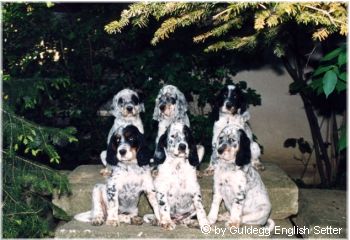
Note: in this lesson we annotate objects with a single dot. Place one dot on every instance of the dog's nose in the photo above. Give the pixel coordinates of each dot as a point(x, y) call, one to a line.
point(162, 107)
point(182, 147)
point(129, 108)
point(122, 152)
point(221, 149)
point(229, 105)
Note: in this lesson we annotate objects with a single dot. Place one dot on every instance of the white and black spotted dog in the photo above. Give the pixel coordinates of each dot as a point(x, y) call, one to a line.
point(238, 183)
point(126, 108)
point(171, 106)
point(231, 110)
point(178, 191)
point(117, 200)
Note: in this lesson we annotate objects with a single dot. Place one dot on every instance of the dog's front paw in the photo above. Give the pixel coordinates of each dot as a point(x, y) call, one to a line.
point(211, 220)
point(97, 221)
point(258, 166)
point(112, 222)
point(230, 224)
point(208, 172)
point(168, 225)
point(136, 220)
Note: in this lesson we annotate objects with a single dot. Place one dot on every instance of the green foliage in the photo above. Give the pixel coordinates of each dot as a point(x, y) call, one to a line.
point(322, 20)
point(331, 74)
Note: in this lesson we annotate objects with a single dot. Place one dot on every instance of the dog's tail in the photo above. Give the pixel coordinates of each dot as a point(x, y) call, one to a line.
point(270, 225)
point(83, 217)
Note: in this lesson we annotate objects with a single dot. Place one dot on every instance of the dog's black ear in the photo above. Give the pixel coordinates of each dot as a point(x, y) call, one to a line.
point(143, 154)
point(193, 155)
point(112, 151)
point(218, 102)
point(159, 154)
point(243, 155)
point(242, 103)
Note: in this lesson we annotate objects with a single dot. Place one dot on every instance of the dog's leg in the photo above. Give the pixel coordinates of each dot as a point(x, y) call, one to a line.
point(112, 206)
point(164, 212)
point(151, 195)
point(236, 213)
point(215, 206)
point(99, 202)
point(256, 152)
point(201, 215)
point(258, 216)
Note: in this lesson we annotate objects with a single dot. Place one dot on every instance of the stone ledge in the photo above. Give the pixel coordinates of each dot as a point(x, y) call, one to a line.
point(75, 229)
point(282, 191)
point(322, 208)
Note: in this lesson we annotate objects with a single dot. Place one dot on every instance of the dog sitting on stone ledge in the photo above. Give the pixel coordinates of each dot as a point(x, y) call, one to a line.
point(238, 183)
point(117, 200)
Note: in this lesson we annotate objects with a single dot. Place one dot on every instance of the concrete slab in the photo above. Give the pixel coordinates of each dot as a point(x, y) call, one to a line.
point(282, 190)
point(75, 229)
point(323, 213)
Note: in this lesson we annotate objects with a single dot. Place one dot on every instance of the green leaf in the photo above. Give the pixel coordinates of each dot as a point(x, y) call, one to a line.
point(342, 76)
point(341, 86)
point(322, 69)
point(329, 82)
point(342, 59)
point(332, 54)
point(342, 144)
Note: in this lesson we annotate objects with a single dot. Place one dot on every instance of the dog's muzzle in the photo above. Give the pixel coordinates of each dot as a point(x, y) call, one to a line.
point(222, 148)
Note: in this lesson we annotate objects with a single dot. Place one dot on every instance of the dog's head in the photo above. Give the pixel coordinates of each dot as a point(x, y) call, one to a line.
point(230, 100)
point(127, 103)
point(170, 104)
point(234, 145)
point(177, 142)
point(127, 145)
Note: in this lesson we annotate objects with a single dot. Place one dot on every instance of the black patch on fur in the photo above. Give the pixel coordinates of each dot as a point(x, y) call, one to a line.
point(161, 203)
point(112, 151)
point(159, 153)
point(243, 155)
point(235, 96)
point(135, 99)
point(193, 155)
point(136, 140)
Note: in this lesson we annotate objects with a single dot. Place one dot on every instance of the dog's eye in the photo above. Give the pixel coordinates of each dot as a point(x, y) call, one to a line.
point(172, 136)
point(172, 100)
point(120, 101)
point(131, 139)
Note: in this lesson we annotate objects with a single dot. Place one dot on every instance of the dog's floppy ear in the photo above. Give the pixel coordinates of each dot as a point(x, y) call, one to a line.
point(143, 154)
point(193, 155)
point(156, 111)
point(242, 104)
point(218, 102)
point(159, 154)
point(243, 155)
point(112, 151)
point(181, 105)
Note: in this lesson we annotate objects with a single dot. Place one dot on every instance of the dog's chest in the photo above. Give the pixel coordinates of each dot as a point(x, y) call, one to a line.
point(179, 180)
point(128, 183)
point(230, 182)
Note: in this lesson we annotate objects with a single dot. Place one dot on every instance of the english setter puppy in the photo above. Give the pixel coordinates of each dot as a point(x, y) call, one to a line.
point(171, 106)
point(126, 108)
point(117, 200)
point(178, 191)
point(238, 183)
point(231, 109)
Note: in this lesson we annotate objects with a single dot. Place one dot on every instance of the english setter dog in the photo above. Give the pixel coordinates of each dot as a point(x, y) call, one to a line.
point(231, 110)
point(238, 183)
point(126, 108)
point(178, 191)
point(171, 106)
point(117, 200)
